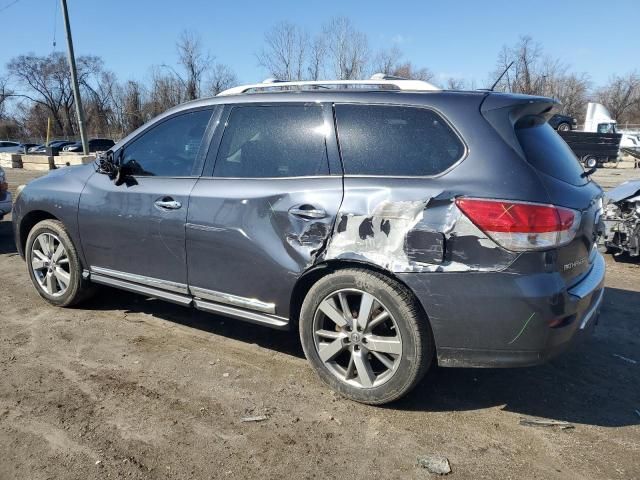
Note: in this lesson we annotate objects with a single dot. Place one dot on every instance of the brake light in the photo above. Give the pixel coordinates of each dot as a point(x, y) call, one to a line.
point(520, 226)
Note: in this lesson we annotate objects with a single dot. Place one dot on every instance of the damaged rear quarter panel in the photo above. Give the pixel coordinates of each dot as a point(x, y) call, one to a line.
point(410, 228)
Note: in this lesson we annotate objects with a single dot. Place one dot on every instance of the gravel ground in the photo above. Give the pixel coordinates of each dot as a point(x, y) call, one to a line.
point(127, 387)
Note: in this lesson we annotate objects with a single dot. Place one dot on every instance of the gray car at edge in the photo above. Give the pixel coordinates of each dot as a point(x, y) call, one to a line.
point(391, 228)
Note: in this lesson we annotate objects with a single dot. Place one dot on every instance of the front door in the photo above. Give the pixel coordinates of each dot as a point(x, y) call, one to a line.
point(259, 219)
point(136, 231)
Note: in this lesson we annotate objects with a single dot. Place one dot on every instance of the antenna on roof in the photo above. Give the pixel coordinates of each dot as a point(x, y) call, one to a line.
point(500, 77)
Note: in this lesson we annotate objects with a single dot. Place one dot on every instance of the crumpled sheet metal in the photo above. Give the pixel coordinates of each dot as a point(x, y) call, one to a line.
point(426, 235)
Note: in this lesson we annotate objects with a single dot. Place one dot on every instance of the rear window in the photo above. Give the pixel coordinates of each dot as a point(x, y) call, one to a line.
point(549, 153)
point(395, 141)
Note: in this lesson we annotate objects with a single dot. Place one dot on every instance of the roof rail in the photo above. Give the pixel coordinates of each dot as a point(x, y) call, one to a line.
point(378, 80)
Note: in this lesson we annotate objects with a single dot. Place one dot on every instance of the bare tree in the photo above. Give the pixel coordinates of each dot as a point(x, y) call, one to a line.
point(317, 58)
point(194, 60)
point(454, 83)
point(387, 61)
point(128, 101)
point(222, 77)
point(408, 70)
point(348, 48)
point(526, 74)
point(5, 93)
point(572, 90)
point(46, 81)
point(284, 53)
point(165, 91)
point(535, 73)
point(621, 96)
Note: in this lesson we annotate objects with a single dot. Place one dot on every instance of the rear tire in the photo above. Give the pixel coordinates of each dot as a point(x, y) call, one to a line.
point(375, 357)
point(54, 266)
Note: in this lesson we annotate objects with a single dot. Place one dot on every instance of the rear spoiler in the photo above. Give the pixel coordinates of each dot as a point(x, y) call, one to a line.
point(503, 111)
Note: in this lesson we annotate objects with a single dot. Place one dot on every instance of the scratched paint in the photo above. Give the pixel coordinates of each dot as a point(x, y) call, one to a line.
point(423, 235)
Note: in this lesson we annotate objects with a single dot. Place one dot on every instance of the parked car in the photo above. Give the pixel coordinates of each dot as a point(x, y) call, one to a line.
point(448, 227)
point(5, 195)
point(9, 147)
point(95, 145)
point(24, 147)
point(563, 123)
point(54, 144)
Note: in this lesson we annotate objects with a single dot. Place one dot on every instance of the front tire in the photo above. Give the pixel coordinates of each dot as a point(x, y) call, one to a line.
point(365, 336)
point(564, 127)
point(54, 266)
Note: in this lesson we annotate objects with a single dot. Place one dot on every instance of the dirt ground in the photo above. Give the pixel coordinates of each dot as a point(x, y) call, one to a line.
point(128, 387)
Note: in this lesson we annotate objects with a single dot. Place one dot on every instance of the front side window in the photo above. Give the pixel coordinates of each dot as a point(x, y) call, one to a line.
point(273, 141)
point(168, 149)
point(395, 141)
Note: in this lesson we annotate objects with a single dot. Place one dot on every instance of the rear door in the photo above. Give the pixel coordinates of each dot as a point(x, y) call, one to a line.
point(265, 206)
point(136, 231)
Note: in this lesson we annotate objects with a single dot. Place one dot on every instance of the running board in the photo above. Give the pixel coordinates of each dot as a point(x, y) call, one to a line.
point(272, 321)
point(149, 291)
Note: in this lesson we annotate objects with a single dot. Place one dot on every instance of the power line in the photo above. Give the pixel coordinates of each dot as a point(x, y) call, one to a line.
point(2, 9)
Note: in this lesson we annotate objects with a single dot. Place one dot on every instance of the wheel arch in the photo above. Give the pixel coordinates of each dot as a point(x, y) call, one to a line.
point(316, 272)
point(27, 222)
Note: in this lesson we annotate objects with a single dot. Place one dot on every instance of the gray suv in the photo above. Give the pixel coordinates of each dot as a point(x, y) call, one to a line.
point(392, 224)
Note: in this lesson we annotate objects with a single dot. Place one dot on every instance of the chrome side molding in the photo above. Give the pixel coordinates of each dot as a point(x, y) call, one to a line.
point(143, 289)
point(247, 309)
point(235, 300)
point(253, 317)
point(143, 280)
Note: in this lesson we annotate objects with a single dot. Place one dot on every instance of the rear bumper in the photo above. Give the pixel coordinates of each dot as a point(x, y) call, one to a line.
point(498, 319)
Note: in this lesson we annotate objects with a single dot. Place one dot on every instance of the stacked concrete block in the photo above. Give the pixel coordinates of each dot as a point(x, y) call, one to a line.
point(37, 162)
point(10, 160)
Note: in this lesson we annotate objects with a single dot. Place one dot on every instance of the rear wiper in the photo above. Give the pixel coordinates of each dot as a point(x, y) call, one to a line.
point(588, 173)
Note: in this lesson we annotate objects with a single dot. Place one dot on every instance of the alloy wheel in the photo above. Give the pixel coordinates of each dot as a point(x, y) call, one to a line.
point(357, 338)
point(50, 264)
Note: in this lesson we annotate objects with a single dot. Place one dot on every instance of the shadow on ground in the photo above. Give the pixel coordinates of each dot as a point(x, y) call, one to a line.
point(587, 385)
point(7, 245)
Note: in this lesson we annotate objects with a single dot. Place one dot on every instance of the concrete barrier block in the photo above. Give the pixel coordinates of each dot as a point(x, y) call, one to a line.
point(10, 160)
point(37, 162)
point(37, 159)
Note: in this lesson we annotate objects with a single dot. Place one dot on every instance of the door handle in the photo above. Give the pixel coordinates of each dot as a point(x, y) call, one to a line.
point(307, 211)
point(168, 203)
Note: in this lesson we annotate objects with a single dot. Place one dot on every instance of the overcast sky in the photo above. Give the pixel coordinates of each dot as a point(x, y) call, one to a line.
point(452, 38)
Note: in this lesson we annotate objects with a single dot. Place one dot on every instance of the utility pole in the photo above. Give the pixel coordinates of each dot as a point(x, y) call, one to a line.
point(74, 78)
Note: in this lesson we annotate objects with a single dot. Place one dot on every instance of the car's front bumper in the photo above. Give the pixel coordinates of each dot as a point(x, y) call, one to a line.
point(5, 204)
point(499, 319)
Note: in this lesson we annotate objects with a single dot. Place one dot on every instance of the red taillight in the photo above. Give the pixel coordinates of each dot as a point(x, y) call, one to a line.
point(522, 226)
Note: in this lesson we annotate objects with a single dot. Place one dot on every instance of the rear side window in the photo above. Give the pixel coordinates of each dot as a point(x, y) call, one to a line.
point(273, 141)
point(549, 153)
point(395, 141)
